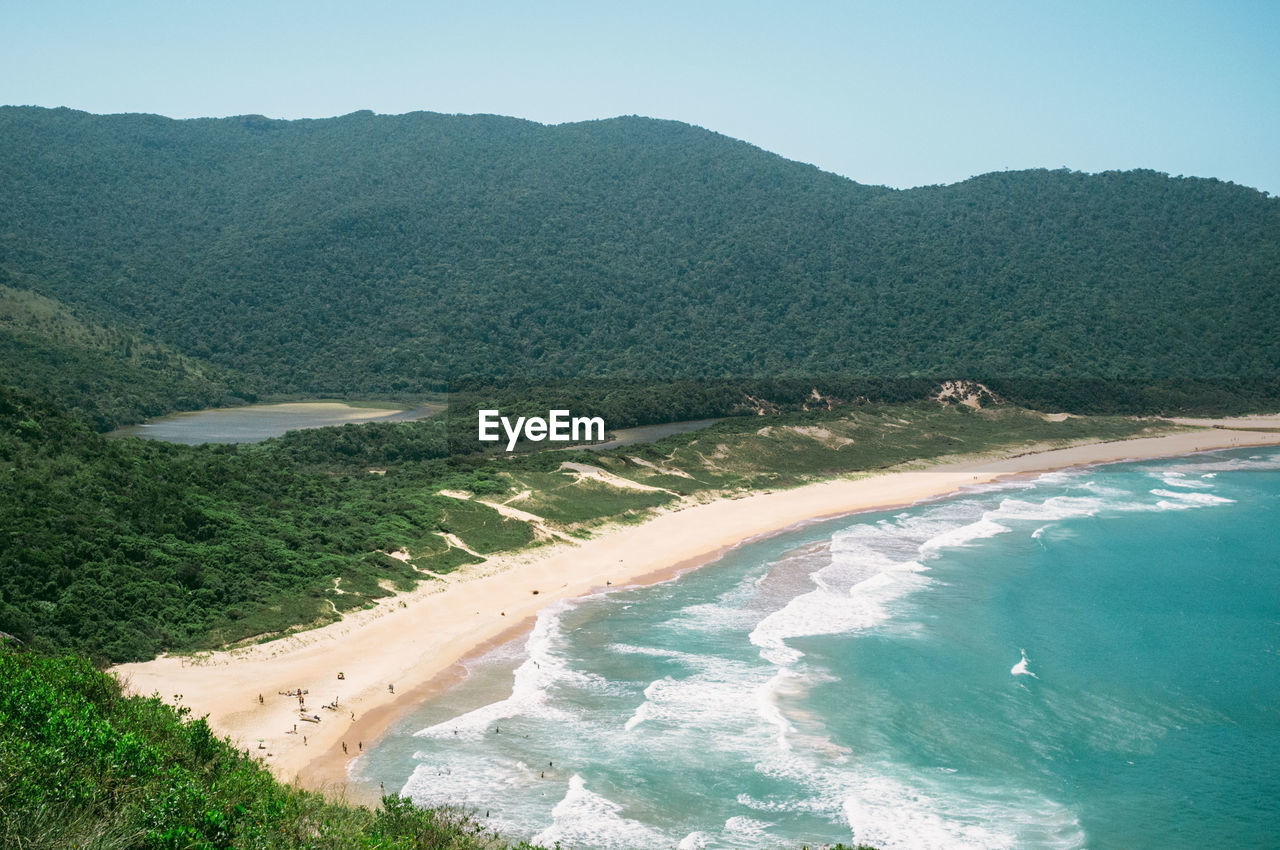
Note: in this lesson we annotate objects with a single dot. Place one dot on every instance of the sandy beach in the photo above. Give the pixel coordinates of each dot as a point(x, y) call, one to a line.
point(415, 641)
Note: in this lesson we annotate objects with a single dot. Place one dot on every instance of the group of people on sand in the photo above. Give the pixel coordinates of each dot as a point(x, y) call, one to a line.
point(301, 693)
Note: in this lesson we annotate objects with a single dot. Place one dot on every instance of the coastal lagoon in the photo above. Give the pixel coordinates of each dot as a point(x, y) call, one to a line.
point(257, 422)
point(1084, 659)
point(649, 433)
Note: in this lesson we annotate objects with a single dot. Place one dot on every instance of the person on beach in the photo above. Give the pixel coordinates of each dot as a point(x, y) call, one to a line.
point(344, 746)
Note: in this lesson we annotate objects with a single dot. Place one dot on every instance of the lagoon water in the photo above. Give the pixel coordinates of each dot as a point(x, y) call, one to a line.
point(649, 433)
point(1087, 659)
point(257, 422)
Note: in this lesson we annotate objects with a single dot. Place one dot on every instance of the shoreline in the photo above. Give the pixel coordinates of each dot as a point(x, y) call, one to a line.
point(433, 632)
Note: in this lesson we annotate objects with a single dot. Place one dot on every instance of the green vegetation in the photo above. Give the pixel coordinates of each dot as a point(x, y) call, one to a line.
point(564, 498)
point(121, 549)
point(483, 528)
point(81, 765)
point(401, 254)
point(790, 449)
point(102, 374)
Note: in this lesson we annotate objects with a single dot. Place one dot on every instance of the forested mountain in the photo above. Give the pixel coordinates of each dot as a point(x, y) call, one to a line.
point(104, 375)
point(404, 253)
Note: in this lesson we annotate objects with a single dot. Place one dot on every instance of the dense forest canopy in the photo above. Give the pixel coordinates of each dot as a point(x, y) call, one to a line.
point(394, 254)
point(105, 375)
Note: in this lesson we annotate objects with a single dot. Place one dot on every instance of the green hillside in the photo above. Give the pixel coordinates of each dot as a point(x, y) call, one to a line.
point(105, 375)
point(86, 766)
point(394, 254)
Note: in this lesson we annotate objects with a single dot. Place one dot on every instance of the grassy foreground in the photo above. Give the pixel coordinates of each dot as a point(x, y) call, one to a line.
point(83, 766)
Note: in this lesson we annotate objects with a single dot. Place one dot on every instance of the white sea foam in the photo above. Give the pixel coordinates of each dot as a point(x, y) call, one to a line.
point(963, 535)
point(824, 611)
point(1174, 478)
point(769, 708)
point(1051, 509)
point(1020, 669)
point(731, 610)
point(890, 815)
point(740, 831)
point(646, 709)
point(483, 781)
point(709, 703)
point(542, 669)
point(584, 818)
point(692, 659)
point(1062, 476)
point(1193, 498)
point(1105, 490)
point(1211, 466)
point(873, 565)
point(929, 809)
point(694, 841)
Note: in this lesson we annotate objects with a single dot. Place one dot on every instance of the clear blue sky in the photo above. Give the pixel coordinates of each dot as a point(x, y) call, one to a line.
point(899, 93)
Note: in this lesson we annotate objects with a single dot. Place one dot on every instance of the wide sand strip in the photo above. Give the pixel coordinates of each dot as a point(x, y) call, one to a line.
point(413, 641)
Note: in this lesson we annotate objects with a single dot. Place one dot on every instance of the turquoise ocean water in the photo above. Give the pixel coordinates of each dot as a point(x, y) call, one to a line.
point(1087, 659)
